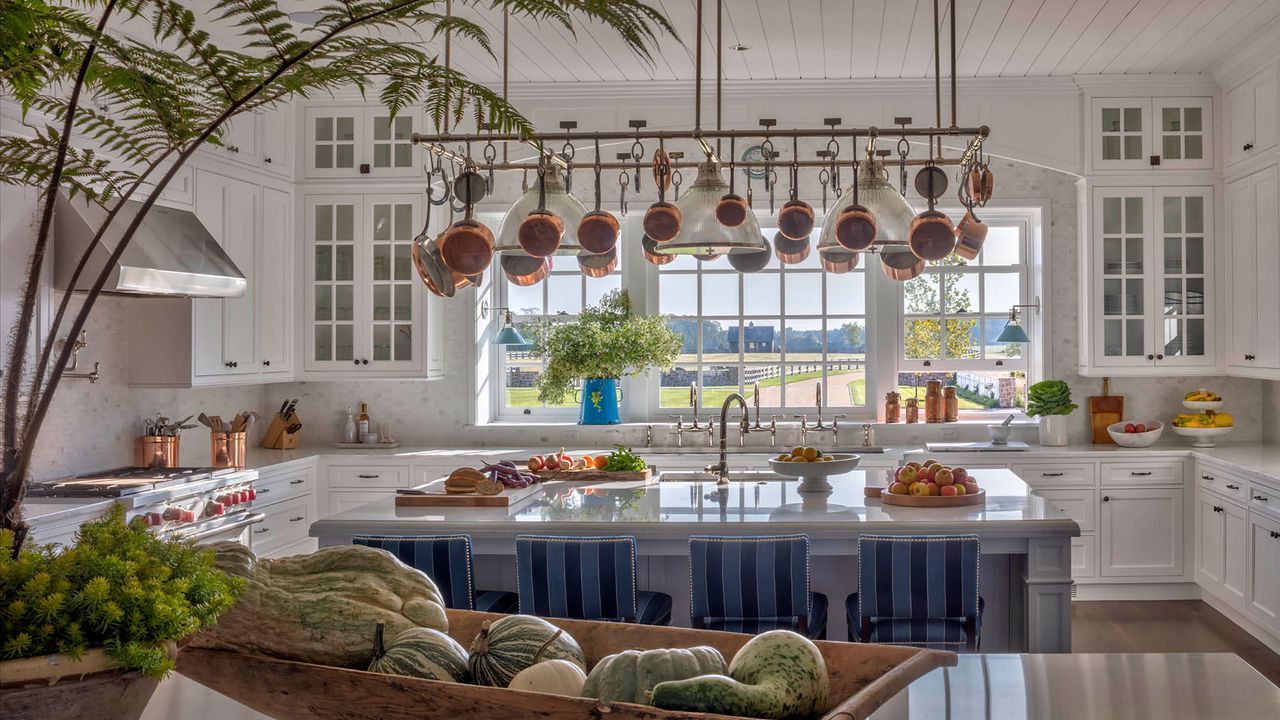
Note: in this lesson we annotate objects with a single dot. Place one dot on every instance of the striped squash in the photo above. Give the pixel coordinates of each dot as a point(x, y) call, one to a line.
point(421, 653)
point(630, 675)
point(510, 644)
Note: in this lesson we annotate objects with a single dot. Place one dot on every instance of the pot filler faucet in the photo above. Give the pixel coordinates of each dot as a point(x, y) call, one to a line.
point(721, 469)
point(833, 428)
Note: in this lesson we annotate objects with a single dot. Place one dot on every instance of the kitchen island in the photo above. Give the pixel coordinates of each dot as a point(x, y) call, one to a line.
point(1025, 569)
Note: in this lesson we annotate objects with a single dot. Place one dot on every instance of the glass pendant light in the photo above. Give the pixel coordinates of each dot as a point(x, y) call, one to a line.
point(700, 232)
point(892, 211)
point(559, 202)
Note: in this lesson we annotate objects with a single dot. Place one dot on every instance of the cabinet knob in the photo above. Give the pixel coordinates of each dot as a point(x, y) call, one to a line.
point(1159, 356)
point(364, 361)
point(267, 363)
point(1151, 357)
point(357, 362)
point(267, 160)
point(1248, 146)
point(1217, 508)
point(1275, 534)
point(1106, 498)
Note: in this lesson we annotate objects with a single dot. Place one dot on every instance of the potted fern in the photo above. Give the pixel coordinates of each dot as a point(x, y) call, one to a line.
point(95, 625)
point(606, 343)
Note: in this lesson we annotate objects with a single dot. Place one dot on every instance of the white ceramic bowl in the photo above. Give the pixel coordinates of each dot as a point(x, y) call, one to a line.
point(1135, 440)
point(1202, 437)
point(999, 433)
point(1203, 405)
point(813, 475)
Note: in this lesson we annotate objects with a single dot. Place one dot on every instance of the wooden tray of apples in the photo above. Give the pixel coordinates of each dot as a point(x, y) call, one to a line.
point(588, 468)
point(932, 484)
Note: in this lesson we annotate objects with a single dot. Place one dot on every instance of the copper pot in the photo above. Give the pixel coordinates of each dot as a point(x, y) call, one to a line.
point(708, 257)
point(438, 278)
point(931, 237)
point(751, 262)
point(598, 230)
point(524, 270)
point(971, 233)
point(838, 261)
point(900, 265)
point(540, 232)
point(598, 266)
point(662, 221)
point(467, 246)
point(732, 210)
point(790, 251)
point(931, 182)
point(795, 220)
point(652, 255)
point(981, 184)
point(856, 228)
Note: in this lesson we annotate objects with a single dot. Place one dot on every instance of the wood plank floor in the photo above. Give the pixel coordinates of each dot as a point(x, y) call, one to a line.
point(1162, 627)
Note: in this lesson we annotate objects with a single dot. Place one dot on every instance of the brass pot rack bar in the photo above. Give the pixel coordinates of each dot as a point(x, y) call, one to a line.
point(822, 133)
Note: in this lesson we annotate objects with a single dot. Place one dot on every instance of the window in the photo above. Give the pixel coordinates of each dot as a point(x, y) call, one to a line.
point(953, 313)
point(791, 329)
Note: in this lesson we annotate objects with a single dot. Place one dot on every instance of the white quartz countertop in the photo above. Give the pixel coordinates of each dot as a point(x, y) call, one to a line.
point(1173, 686)
point(677, 509)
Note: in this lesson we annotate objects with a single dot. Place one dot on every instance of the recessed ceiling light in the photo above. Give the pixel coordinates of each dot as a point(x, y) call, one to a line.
point(740, 47)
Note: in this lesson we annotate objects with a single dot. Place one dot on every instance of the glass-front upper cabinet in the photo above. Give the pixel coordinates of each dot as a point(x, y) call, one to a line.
point(366, 308)
point(1149, 265)
point(354, 141)
point(1151, 133)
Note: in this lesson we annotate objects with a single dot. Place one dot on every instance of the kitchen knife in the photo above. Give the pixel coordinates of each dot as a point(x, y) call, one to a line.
point(293, 428)
point(284, 408)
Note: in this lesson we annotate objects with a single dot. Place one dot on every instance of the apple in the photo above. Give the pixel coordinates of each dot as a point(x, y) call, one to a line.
point(970, 487)
point(1130, 427)
point(898, 488)
point(908, 475)
point(960, 474)
point(1140, 428)
point(914, 465)
point(951, 490)
point(960, 489)
point(934, 489)
point(931, 461)
point(928, 472)
point(919, 489)
point(944, 477)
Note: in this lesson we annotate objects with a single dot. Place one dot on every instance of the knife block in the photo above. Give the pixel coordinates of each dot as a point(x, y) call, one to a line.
point(277, 436)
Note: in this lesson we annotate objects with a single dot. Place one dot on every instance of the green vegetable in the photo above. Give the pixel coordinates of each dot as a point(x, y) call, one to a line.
point(120, 587)
point(630, 675)
point(623, 459)
point(1050, 397)
point(422, 653)
point(513, 643)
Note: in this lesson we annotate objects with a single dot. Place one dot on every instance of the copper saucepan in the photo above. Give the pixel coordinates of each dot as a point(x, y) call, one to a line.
point(598, 229)
point(971, 233)
point(651, 253)
point(467, 246)
point(732, 209)
point(900, 265)
point(541, 230)
point(438, 278)
point(751, 262)
point(662, 219)
point(524, 270)
point(931, 237)
point(789, 250)
point(856, 225)
point(838, 261)
point(981, 184)
point(598, 266)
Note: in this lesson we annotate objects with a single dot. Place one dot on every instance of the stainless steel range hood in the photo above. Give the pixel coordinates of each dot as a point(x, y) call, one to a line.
point(172, 253)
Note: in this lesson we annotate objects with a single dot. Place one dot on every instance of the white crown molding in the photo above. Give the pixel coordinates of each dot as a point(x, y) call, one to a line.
point(1146, 85)
point(1247, 58)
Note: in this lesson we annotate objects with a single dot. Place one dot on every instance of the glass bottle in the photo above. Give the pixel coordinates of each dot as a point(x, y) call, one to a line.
point(913, 410)
point(892, 407)
point(933, 401)
point(362, 422)
point(950, 404)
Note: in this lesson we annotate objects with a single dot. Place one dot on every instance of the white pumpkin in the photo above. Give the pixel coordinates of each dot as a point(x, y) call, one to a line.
point(558, 677)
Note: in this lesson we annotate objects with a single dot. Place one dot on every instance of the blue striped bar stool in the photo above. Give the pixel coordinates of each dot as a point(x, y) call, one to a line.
point(447, 560)
point(585, 578)
point(917, 590)
point(754, 584)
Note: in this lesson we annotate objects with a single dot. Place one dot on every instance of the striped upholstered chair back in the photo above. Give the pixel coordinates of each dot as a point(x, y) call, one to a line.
point(587, 578)
point(917, 590)
point(446, 559)
point(752, 584)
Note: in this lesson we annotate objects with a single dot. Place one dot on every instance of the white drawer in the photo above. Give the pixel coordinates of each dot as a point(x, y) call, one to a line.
point(344, 500)
point(1222, 482)
point(1264, 499)
point(287, 523)
point(1137, 473)
point(286, 485)
point(1080, 505)
point(1039, 475)
point(368, 476)
point(1084, 557)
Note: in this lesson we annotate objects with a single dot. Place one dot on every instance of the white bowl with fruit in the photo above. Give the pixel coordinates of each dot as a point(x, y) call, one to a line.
point(932, 484)
point(812, 467)
point(1135, 435)
point(1203, 427)
point(1202, 400)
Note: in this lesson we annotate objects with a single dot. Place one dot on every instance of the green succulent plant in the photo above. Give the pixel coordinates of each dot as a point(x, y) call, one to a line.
point(1050, 397)
point(119, 587)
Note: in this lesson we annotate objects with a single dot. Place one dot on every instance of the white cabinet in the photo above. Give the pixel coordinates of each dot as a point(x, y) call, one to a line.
point(240, 138)
point(278, 138)
point(1252, 120)
point(224, 328)
point(365, 306)
point(1253, 346)
point(1148, 269)
point(1142, 133)
point(273, 295)
point(1264, 570)
point(1221, 535)
point(351, 141)
point(1141, 532)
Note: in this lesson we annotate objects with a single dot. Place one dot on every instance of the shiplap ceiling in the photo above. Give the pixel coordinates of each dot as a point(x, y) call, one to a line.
point(887, 39)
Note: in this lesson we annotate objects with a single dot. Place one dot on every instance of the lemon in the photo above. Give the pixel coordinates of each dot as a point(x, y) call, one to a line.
point(1223, 420)
point(811, 454)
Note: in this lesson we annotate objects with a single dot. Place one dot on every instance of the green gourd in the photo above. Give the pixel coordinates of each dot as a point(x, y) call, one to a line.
point(630, 675)
point(778, 675)
point(510, 644)
point(421, 653)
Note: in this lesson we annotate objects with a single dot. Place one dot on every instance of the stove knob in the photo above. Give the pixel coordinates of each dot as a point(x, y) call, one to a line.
point(153, 519)
point(243, 495)
point(214, 508)
point(172, 514)
point(253, 494)
point(188, 516)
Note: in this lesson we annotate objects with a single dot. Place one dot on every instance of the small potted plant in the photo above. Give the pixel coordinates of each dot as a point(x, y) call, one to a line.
point(1051, 401)
point(94, 626)
point(607, 342)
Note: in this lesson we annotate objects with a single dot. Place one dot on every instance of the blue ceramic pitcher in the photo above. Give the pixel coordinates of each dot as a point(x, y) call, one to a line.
point(600, 402)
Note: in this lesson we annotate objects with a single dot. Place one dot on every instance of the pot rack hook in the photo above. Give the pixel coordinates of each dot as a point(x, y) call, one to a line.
point(733, 156)
point(795, 168)
point(567, 151)
point(624, 179)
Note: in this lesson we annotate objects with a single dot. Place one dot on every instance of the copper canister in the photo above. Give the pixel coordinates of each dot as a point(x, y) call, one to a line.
point(950, 404)
point(913, 410)
point(157, 451)
point(227, 449)
point(933, 401)
point(892, 407)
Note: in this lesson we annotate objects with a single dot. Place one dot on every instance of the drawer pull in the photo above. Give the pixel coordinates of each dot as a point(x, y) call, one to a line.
point(1259, 498)
point(297, 519)
point(367, 477)
point(259, 531)
point(1232, 487)
point(1050, 474)
point(1207, 477)
point(263, 490)
point(296, 482)
point(1106, 498)
point(1142, 473)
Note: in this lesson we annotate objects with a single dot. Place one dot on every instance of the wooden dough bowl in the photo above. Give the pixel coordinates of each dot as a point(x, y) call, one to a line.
point(863, 676)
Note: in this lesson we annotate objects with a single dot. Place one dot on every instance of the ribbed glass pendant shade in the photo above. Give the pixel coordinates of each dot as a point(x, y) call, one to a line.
point(892, 211)
point(700, 232)
point(559, 201)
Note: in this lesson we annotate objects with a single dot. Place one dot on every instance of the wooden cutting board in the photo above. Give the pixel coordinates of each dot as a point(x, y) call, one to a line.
point(645, 475)
point(1105, 409)
point(433, 495)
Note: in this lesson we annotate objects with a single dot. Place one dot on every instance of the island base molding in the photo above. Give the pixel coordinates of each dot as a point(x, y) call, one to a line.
point(1246, 623)
point(1096, 591)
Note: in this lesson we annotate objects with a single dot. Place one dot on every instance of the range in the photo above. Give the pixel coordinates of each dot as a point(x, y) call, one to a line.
point(203, 504)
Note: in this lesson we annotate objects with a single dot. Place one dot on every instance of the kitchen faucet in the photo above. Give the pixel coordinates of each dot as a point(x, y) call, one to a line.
point(680, 429)
point(833, 428)
point(721, 469)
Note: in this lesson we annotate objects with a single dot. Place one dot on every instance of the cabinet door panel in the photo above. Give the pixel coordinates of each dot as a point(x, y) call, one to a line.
point(1235, 540)
point(1183, 268)
point(393, 291)
point(240, 138)
point(1122, 285)
point(238, 317)
point(1121, 133)
point(1266, 103)
point(277, 141)
point(333, 144)
point(1266, 195)
point(1183, 132)
point(207, 316)
point(1240, 111)
point(275, 307)
point(1242, 278)
point(1264, 570)
point(1210, 536)
point(332, 270)
point(1141, 532)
